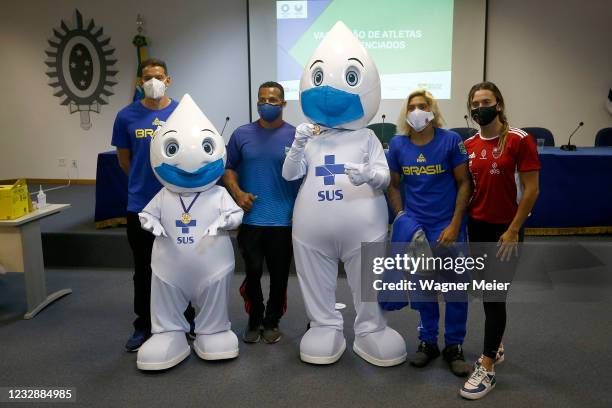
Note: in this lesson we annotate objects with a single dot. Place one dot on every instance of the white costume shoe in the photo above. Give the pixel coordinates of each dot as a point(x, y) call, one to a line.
point(384, 348)
point(322, 345)
point(218, 346)
point(162, 351)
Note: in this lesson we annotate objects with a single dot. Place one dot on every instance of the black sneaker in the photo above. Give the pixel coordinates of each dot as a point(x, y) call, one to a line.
point(252, 333)
point(424, 354)
point(137, 340)
point(271, 334)
point(454, 357)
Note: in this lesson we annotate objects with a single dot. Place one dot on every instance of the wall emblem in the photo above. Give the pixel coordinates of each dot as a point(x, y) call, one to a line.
point(80, 66)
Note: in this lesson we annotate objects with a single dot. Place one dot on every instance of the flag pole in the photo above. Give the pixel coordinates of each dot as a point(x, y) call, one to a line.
point(140, 42)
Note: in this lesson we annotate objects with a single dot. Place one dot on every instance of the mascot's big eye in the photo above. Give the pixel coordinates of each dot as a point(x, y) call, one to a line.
point(208, 145)
point(172, 148)
point(317, 77)
point(352, 77)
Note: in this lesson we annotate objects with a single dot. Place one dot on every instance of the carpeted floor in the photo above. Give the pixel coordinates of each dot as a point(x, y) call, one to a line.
point(557, 355)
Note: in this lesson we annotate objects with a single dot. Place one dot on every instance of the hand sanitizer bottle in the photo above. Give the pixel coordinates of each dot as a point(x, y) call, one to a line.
point(42, 199)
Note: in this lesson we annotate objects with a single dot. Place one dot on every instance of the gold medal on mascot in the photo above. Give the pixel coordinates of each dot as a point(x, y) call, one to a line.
point(186, 218)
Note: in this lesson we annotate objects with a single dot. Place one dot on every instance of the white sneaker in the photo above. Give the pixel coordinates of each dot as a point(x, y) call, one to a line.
point(479, 384)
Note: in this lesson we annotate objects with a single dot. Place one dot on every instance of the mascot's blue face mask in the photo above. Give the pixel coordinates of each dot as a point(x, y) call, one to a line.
point(201, 177)
point(330, 106)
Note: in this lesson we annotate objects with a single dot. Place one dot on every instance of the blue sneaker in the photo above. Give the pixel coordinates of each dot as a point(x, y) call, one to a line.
point(137, 339)
point(480, 383)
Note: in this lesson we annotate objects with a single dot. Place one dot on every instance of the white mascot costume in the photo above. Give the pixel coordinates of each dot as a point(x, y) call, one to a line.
point(193, 258)
point(340, 203)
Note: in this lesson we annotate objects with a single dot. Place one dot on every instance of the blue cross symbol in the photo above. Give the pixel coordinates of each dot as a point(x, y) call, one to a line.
point(329, 170)
point(185, 227)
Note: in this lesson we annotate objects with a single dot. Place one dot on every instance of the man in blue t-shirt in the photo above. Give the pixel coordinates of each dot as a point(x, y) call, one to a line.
point(429, 173)
point(255, 156)
point(132, 133)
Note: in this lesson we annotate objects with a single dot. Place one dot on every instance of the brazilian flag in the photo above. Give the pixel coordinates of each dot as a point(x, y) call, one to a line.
point(140, 42)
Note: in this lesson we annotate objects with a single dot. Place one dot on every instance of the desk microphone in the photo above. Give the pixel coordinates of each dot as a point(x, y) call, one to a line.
point(227, 119)
point(470, 130)
point(382, 135)
point(570, 147)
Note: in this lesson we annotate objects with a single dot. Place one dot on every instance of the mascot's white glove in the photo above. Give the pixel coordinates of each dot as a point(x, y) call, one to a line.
point(227, 220)
point(360, 173)
point(212, 229)
point(294, 166)
point(303, 133)
point(151, 224)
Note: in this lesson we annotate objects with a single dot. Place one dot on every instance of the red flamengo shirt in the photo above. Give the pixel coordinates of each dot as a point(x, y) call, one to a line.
point(496, 183)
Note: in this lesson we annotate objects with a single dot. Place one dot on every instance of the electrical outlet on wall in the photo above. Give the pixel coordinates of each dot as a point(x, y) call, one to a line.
point(61, 162)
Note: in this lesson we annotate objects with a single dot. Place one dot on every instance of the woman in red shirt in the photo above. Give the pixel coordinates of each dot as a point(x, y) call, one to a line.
point(505, 168)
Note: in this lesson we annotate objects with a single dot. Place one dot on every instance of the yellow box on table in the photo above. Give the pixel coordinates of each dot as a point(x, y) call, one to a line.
point(14, 200)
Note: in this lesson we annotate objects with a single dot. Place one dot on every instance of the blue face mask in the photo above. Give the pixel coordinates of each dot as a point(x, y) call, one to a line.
point(268, 112)
point(199, 178)
point(330, 107)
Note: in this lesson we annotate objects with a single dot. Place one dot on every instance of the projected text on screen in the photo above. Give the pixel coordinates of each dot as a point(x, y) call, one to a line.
point(410, 41)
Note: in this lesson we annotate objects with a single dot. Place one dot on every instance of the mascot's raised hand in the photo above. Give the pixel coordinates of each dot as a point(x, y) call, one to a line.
point(303, 133)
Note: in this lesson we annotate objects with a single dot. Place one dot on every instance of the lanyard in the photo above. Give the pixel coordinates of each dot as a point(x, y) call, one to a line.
point(190, 205)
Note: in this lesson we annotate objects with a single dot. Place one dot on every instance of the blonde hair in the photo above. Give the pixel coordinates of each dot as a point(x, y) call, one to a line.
point(490, 86)
point(404, 128)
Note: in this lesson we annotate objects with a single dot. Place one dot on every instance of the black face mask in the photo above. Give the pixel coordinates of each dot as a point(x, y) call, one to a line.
point(484, 114)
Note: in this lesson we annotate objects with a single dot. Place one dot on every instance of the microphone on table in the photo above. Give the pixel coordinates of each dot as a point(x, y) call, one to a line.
point(382, 133)
point(227, 119)
point(468, 125)
point(570, 147)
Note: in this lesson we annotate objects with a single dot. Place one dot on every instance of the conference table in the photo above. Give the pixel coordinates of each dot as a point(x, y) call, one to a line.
point(111, 192)
point(575, 192)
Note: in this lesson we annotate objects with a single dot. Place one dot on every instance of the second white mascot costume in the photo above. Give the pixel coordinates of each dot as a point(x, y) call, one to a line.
point(193, 258)
point(340, 203)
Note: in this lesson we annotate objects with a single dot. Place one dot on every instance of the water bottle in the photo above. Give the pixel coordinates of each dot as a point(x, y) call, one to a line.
point(42, 199)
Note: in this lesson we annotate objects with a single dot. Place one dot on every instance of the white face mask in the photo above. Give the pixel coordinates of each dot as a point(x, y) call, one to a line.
point(154, 88)
point(418, 119)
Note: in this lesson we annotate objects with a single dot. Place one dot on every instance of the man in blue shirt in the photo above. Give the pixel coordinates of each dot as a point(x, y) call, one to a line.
point(255, 156)
point(436, 188)
point(132, 134)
